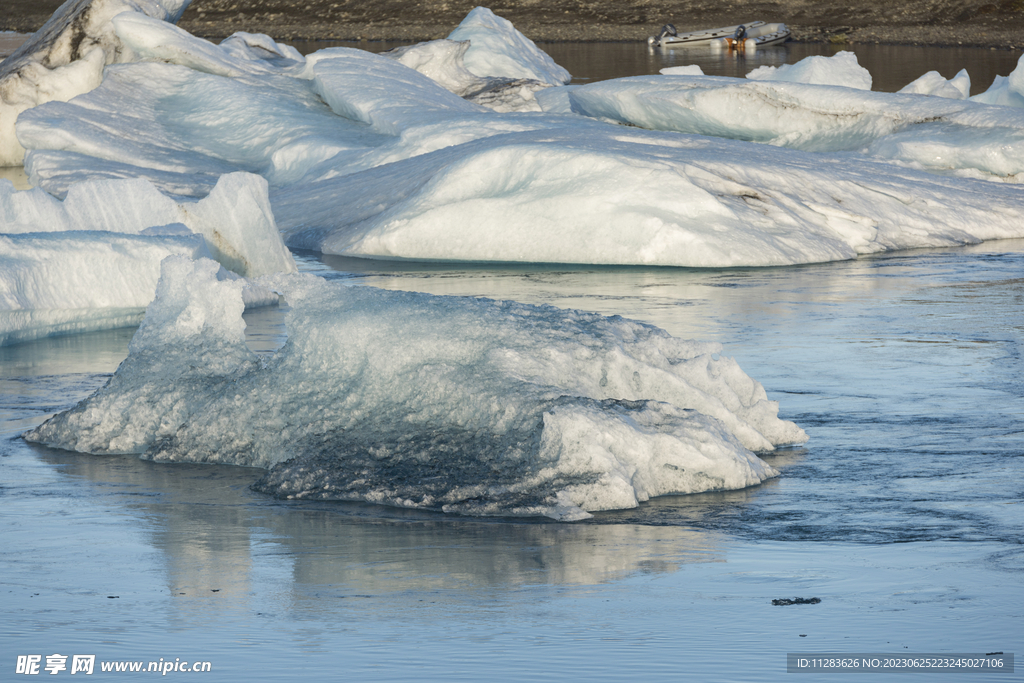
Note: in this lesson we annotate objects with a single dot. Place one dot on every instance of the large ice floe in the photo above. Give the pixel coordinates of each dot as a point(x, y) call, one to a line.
point(459, 404)
point(66, 58)
point(92, 261)
point(418, 154)
point(936, 134)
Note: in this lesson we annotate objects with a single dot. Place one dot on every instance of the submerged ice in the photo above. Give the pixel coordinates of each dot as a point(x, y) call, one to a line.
point(467, 405)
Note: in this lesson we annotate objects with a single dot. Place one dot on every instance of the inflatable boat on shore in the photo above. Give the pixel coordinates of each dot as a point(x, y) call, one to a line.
point(753, 35)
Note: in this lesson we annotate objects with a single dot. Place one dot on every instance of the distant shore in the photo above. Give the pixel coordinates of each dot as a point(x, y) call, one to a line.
point(969, 23)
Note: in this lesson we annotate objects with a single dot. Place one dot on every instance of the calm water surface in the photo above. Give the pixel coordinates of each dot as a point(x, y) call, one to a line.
point(904, 513)
point(891, 66)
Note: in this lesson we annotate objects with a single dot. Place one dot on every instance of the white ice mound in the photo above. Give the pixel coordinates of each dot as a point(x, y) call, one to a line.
point(182, 128)
point(1007, 91)
point(235, 220)
point(66, 57)
point(627, 196)
point(498, 49)
point(382, 92)
point(460, 404)
point(841, 69)
point(686, 70)
point(241, 53)
point(61, 282)
point(932, 83)
point(442, 62)
point(975, 138)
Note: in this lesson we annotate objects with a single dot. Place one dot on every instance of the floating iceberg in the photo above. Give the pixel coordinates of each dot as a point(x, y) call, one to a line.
point(816, 118)
point(626, 196)
point(92, 261)
point(686, 70)
point(840, 69)
point(465, 405)
point(66, 57)
point(55, 283)
point(235, 220)
point(1007, 91)
point(497, 49)
point(443, 62)
point(932, 83)
point(367, 155)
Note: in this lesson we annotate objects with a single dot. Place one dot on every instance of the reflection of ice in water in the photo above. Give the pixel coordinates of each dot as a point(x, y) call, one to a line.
point(213, 531)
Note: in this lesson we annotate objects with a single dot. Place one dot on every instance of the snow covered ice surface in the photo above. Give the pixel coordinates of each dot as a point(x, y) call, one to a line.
point(624, 196)
point(936, 134)
point(92, 261)
point(379, 156)
point(465, 149)
point(467, 405)
point(66, 57)
point(840, 69)
point(498, 49)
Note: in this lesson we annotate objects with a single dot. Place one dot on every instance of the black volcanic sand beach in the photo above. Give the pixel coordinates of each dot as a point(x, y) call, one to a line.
point(983, 23)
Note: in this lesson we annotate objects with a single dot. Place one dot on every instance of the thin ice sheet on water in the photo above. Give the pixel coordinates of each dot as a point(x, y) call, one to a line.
point(465, 405)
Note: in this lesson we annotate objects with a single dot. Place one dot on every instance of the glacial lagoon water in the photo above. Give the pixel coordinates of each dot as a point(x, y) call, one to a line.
point(903, 513)
point(891, 66)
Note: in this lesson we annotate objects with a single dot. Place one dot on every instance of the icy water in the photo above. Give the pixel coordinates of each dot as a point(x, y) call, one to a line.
point(891, 66)
point(902, 514)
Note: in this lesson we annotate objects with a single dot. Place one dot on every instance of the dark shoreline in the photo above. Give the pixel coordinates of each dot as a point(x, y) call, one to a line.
point(941, 23)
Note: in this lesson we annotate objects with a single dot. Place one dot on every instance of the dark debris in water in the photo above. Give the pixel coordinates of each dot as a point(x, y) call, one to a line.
point(796, 601)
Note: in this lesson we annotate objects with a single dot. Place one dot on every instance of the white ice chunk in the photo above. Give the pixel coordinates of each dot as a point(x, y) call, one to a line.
point(441, 61)
point(1007, 91)
point(841, 69)
point(498, 49)
point(243, 53)
point(236, 219)
point(238, 223)
point(66, 57)
point(815, 118)
point(519, 95)
point(465, 405)
point(381, 92)
point(257, 46)
point(182, 129)
point(56, 283)
point(687, 70)
point(555, 100)
point(932, 83)
point(618, 196)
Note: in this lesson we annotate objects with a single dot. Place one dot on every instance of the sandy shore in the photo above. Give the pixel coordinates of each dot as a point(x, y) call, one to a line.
point(984, 23)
